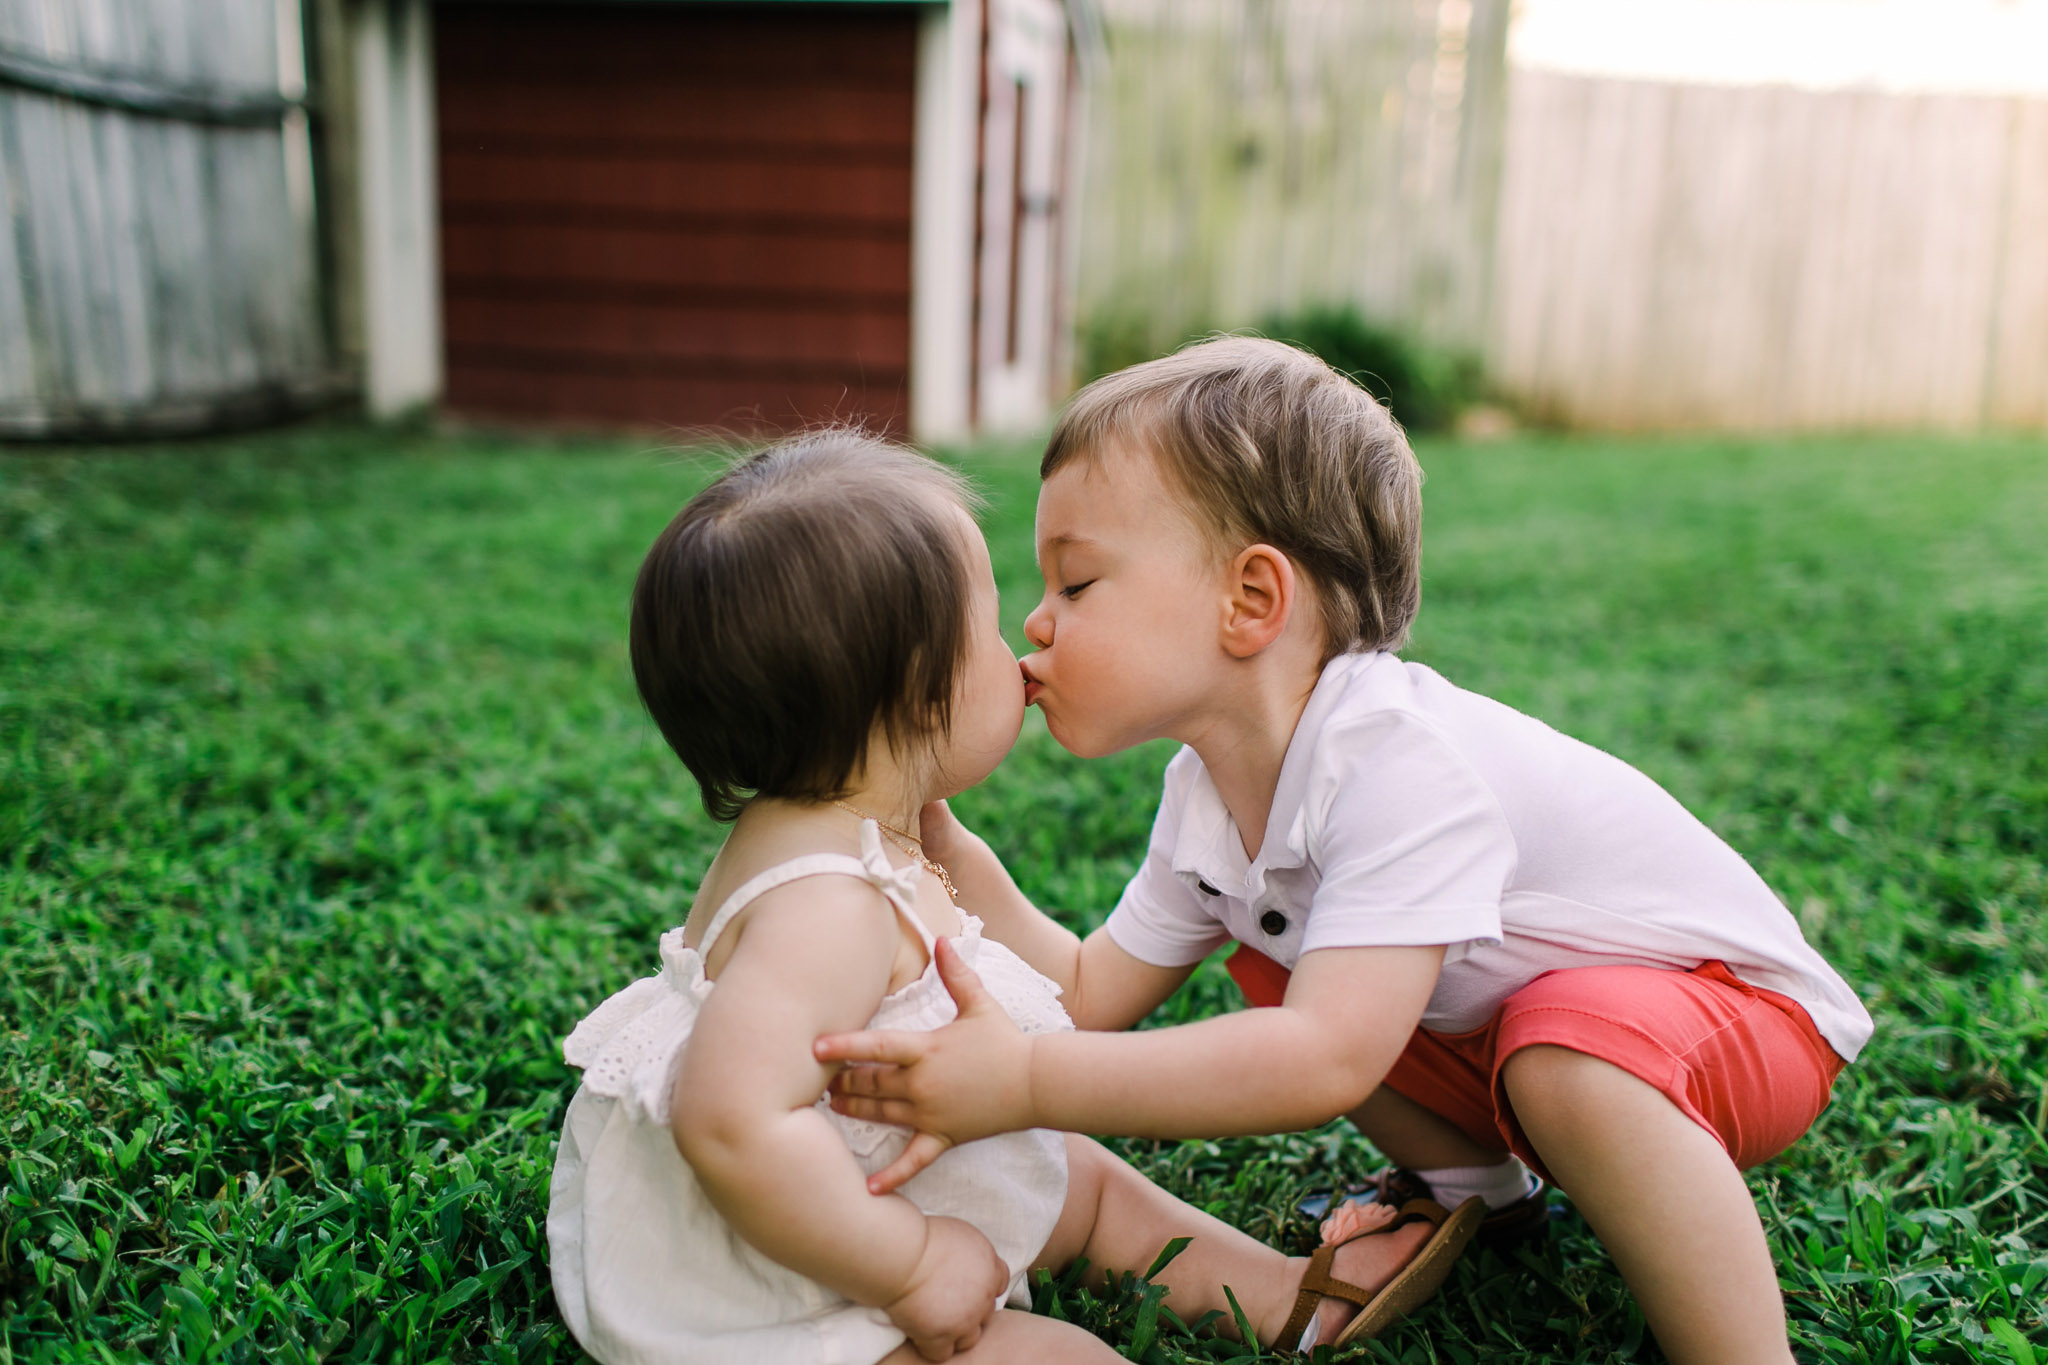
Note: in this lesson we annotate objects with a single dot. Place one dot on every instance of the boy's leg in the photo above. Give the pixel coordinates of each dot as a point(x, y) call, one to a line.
point(1120, 1221)
point(1446, 1135)
point(1644, 1093)
point(1664, 1198)
point(1409, 1135)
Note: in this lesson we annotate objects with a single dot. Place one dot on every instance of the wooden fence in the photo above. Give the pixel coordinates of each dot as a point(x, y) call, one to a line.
point(1252, 156)
point(1772, 258)
point(158, 255)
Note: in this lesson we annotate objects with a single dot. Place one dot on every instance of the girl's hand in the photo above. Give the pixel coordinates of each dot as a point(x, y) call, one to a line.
point(968, 1080)
point(956, 1288)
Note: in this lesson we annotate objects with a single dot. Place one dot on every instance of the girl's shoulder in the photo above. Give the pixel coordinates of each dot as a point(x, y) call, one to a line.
point(785, 858)
point(765, 837)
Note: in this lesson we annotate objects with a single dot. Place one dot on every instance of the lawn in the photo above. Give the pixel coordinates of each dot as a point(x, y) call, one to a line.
point(326, 810)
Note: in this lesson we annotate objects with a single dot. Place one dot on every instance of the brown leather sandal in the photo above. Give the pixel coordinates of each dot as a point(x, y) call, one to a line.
point(1411, 1286)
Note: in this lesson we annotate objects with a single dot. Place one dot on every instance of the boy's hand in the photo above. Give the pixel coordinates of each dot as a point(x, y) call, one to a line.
point(956, 1288)
point(944, 837)
point(967, 1080)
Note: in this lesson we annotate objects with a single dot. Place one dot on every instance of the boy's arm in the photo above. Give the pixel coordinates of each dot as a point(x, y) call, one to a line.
point(815, 954)
point(1102, 986)
point(1347, 1016)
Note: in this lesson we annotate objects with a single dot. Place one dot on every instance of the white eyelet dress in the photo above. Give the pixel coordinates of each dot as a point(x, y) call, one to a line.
point(647, 1273)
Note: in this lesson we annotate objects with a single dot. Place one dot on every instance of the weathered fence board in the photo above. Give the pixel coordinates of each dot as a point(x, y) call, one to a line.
point(1247, 158)
point(1772, 258)
point(2016, 393)
point(158, 270)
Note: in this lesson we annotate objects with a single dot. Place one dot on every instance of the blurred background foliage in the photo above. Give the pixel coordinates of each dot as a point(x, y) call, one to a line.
point(1425, 387)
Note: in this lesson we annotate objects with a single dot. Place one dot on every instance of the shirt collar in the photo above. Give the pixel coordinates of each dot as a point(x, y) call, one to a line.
point(1206, 847)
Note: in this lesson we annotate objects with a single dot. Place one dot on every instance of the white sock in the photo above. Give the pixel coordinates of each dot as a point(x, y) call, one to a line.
point(1499, 1185)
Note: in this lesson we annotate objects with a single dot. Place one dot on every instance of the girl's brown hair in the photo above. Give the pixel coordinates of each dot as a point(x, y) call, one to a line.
point(816, 593)
point(1267, 443)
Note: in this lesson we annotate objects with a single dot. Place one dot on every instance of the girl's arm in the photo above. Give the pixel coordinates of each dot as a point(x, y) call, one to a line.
point(1102, 986)
point(810, 956)
point(1347, 1016)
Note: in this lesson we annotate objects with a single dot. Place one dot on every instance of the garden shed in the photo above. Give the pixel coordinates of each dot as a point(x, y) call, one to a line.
point(745, 215)
point(660, 213)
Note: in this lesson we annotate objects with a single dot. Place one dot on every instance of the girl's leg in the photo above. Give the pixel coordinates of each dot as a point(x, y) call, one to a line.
point(1013, 1338)
point(1120, 1220)
point(1664, 1198)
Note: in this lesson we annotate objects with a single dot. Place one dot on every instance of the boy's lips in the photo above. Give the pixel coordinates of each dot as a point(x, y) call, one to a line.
point(1032, 686)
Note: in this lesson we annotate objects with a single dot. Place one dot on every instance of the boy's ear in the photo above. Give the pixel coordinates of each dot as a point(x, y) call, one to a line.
point(1263, 595)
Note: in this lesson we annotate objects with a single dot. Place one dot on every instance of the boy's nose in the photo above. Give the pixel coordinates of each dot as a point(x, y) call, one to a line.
point(1038, 626)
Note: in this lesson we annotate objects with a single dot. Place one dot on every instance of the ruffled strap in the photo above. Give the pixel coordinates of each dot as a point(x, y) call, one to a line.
point(897, 884)
point(627, 1046)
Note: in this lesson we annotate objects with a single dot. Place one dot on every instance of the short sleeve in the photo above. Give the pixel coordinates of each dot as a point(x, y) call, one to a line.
point(1412, 845)
point(1160, 919)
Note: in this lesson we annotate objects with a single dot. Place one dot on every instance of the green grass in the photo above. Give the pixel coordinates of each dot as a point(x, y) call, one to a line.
point(326, 810)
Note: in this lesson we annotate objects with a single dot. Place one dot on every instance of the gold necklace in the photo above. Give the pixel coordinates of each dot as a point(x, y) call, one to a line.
point(908, 843)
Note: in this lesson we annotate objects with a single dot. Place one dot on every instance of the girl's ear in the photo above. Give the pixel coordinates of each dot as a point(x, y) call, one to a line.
point(1263, 594)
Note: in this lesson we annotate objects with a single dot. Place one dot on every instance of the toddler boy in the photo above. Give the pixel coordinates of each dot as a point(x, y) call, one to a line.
point(1499, 950)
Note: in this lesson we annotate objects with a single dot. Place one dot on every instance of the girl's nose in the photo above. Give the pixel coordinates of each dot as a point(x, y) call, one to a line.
point(1038, 626)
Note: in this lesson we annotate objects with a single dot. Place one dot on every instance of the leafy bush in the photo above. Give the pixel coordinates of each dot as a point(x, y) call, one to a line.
point(1116, 339)
point(1425, 388)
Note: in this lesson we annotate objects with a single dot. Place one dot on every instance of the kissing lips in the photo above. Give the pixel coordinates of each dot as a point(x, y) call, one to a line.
point(1032, 686)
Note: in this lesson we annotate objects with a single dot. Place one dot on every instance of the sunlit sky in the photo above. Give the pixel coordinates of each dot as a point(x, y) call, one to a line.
point(1965, 46)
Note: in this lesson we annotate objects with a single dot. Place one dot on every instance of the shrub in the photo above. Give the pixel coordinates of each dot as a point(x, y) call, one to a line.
point(1424, 387)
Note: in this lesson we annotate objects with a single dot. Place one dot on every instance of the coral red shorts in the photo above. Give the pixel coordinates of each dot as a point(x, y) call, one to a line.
point(1745, 1064)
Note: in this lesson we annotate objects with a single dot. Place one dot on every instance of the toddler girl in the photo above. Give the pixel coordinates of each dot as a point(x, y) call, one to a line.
point(816, 635)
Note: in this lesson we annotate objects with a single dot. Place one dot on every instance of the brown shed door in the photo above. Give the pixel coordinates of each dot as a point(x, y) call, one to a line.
point(677, 214)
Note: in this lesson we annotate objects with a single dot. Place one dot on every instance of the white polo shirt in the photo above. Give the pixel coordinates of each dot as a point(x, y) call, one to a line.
point(1412, 812)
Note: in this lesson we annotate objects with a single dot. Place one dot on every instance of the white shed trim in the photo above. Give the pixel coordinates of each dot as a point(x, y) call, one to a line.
point(394, 63)
point(942, 222)
point(1021, 183)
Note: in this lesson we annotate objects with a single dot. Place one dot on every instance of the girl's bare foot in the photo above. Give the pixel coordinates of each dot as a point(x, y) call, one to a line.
point(1368, 1262)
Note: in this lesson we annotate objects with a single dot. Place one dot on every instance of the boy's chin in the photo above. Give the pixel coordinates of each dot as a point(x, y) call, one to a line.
point(1081, 744)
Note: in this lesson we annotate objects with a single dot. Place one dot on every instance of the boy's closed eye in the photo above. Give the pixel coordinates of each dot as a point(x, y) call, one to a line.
point(1073, 590)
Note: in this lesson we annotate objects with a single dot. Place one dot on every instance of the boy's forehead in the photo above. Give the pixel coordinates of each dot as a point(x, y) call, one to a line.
point(1110, 495)
point(1086, 494)
point(1125, 462)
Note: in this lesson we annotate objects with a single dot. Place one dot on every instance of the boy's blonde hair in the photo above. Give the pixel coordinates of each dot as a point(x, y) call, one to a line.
point(1269, 444)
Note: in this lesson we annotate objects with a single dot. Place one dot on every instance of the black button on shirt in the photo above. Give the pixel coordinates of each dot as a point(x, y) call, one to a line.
point(1273, 923)
point(1208, 889)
